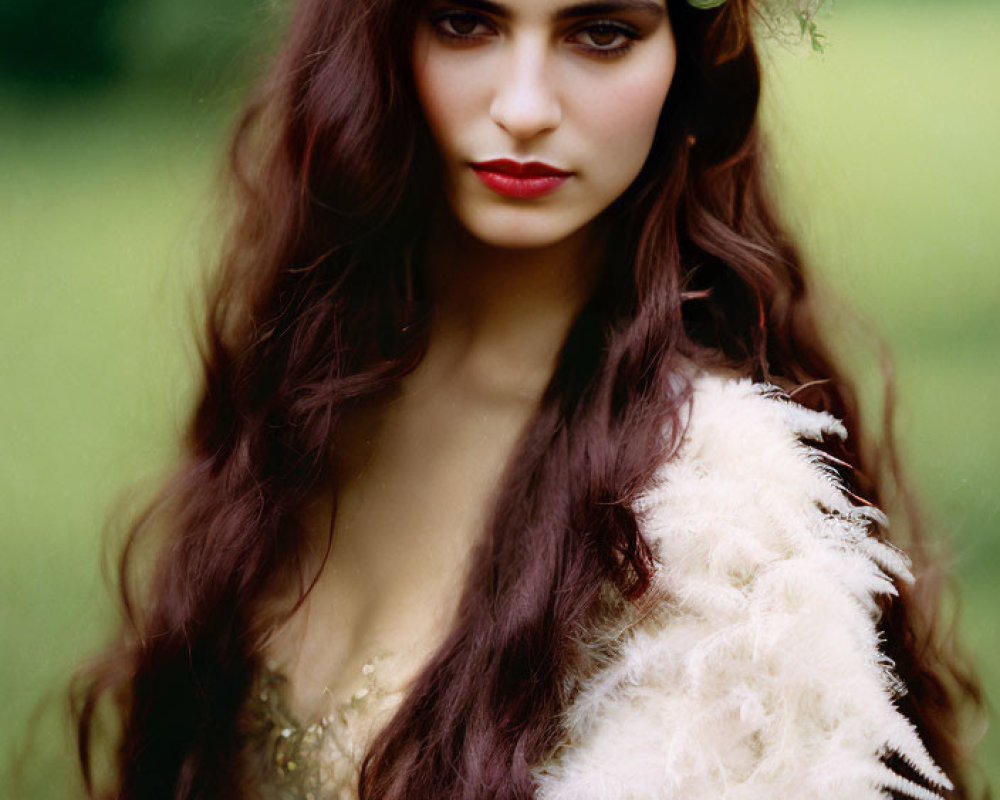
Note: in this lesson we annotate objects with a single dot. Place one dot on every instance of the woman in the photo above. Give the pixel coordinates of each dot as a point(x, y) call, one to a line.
point(480, 498)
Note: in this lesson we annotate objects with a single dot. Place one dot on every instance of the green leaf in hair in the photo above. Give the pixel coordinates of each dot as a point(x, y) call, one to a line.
point(789, 21)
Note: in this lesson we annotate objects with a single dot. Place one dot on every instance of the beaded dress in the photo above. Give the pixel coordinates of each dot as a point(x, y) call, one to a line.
point(284, 758)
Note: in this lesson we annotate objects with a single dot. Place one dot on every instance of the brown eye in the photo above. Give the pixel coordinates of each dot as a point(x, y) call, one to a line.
point(603, 35)
point(606, 38)
point(463, 24)
point(459, 25)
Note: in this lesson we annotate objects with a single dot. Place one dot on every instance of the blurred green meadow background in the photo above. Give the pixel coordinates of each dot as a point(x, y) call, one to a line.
point(113, 120)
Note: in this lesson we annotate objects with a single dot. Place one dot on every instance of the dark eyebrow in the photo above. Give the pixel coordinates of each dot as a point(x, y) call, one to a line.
point(597, 7)
point(587, 9)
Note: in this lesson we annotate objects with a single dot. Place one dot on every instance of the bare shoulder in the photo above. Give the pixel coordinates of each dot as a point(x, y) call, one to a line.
point(761, 675)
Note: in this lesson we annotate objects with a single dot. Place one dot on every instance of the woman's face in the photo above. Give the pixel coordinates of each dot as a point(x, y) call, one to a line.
point(544, 111)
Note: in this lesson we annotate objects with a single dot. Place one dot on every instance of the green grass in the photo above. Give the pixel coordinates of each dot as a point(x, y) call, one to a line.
point(99, 206)
point(887, 153)
point(890, 177)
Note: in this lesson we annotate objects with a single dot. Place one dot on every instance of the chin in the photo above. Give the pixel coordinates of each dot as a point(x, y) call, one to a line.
point(520, 230)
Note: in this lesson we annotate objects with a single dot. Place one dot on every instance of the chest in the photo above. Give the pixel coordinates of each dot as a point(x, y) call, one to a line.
point(414, 483)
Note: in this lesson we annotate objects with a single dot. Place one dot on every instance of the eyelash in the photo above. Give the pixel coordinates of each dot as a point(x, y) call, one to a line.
point(439, 21)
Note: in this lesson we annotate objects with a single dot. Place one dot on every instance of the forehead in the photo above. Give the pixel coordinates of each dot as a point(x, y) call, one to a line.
point(558, 10)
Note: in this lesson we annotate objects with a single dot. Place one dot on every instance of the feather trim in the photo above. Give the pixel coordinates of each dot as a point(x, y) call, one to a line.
point(761, 675)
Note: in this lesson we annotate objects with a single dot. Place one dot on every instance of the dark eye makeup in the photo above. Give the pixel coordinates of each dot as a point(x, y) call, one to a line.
point(455, 24)
point(608, 38)
point(605, 38)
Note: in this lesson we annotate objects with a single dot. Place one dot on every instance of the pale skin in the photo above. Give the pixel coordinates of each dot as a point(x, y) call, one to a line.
point(417, 472)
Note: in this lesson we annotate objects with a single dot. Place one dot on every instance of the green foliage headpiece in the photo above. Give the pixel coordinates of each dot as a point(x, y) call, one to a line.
point(785, 20)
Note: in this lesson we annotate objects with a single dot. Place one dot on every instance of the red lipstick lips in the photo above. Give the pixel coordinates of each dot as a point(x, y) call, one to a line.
point(520, 181)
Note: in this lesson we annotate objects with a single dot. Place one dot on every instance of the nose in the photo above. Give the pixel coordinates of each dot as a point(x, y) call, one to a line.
point(525, 103)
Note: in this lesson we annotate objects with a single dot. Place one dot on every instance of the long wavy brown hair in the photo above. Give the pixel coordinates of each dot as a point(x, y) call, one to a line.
point(319, 303)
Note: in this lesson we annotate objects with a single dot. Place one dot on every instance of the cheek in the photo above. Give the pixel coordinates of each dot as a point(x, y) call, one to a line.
point(622, 116)
point(446, 93)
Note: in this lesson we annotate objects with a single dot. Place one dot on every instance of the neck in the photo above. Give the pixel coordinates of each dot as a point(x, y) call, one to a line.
point(500, 314)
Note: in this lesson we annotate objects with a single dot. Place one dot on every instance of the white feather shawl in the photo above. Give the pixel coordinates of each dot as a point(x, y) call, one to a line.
point(762, 676)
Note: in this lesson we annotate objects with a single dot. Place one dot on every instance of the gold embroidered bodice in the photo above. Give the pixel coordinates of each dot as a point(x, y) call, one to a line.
point(285, 759)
